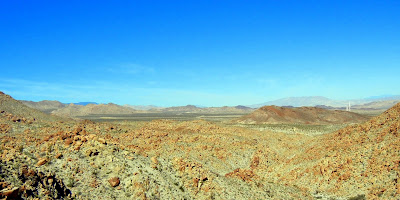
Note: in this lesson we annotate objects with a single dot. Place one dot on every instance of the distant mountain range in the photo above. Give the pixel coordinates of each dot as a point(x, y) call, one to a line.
point(90, 108)
point(384, 97)
point(323, 101)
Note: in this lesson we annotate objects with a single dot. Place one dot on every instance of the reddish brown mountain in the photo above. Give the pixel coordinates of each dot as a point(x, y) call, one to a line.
point(301, 115)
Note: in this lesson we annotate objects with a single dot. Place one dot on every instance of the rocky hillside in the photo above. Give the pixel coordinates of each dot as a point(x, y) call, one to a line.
point(73, 110)
point(361, 160)
point(17, 110)
point(45, 106)
point(166, 159)
point(302, 115)
point(157, 160)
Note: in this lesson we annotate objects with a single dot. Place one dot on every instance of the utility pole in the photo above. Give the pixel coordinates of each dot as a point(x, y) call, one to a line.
point(348, 107)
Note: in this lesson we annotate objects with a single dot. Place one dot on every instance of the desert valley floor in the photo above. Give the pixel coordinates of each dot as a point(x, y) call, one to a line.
point(269, 153)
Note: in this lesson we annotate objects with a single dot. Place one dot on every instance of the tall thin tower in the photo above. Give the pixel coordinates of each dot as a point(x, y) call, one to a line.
point(348, 107)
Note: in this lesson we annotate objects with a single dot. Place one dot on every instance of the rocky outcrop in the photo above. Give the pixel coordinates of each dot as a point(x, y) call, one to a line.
point(28, 183)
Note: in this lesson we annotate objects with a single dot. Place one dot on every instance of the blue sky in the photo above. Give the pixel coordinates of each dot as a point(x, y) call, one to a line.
point(210, 53)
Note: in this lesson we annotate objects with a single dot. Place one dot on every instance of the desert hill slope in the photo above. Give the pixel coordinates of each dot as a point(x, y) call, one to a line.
point(45, 106)
point(73, 110)
point(8, 105)
point(301, 115)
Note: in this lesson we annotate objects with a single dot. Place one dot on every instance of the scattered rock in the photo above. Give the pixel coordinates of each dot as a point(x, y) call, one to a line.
point(10, 194)
point(59, 155)
point(101, 140)
point(154, 162)
point(114, 181)
point(78, 143)
point(91, 136)
point(77, 131)
point(5, 128)
point(68, 141)
point(3, 185)
point(84, 139)
point(35, 185)
point(42, 161)
point(244, 174)
point(91, 152)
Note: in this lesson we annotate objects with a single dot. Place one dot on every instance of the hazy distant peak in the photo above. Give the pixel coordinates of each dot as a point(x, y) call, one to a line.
point(321, 101)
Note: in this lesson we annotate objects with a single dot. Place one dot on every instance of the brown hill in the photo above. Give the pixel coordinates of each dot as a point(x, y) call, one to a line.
point(45, 106)
point(73, 110)
point(302, 115)
point(16, 109)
